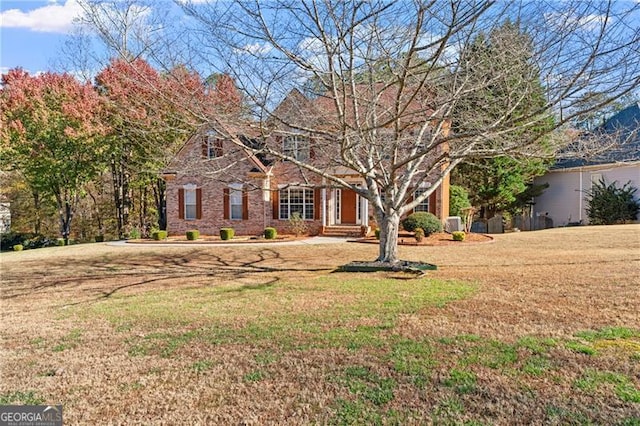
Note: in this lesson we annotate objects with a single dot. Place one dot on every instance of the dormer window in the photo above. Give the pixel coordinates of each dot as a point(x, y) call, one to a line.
point(212, 145)
point(296, 146)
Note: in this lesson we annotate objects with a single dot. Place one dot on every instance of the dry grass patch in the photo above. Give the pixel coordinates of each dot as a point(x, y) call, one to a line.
point(535, 328)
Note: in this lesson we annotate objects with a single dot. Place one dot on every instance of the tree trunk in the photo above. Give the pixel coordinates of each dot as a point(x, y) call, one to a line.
point(389, 227)
point(37, 220)
point(160, 198)
point(65, 214)
point(121, 196)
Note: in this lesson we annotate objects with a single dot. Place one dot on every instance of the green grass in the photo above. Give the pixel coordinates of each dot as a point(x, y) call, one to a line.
point(608, 333)
point(413, 360)
point(537, 365)
point(254, 376)
point(462, 381)
point(369, 386)
point(70, 341)
point(492, 354)
point(21, 398)
point(624, 388)
point(288, 316)
point(201, 366)
point(354, 297)
point(580, 348)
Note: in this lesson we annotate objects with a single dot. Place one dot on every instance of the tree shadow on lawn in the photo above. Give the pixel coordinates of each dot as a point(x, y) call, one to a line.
point(73, 281)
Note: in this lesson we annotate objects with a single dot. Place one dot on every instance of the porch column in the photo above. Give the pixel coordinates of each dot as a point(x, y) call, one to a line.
point(364, 211)
point(324, 206)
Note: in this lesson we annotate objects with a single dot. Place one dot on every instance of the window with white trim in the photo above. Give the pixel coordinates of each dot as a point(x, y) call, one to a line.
point(296, 146)
point(190, 201)
point(235, 201)
point(424, 205)
point(214, 145)
point(296, 200)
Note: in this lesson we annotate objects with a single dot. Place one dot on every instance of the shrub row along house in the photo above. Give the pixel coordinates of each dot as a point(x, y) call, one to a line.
point(215, 182)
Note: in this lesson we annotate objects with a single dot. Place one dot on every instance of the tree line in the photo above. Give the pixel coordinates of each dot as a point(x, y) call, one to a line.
point(84, 159)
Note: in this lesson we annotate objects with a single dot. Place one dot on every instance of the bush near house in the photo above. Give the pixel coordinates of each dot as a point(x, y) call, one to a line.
point(458, 235)
point(270, 233)
point(193, 235)
point(159, 235)
point(227, 233)
point(427, 221)
point(608, 204)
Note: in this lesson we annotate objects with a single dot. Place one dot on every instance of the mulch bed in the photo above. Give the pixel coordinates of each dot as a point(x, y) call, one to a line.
point(438, 239)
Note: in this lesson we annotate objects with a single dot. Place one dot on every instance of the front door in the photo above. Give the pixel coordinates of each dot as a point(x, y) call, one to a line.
point(348, 206)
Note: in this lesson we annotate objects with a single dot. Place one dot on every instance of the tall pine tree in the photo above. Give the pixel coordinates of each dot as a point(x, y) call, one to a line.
point(501, 63)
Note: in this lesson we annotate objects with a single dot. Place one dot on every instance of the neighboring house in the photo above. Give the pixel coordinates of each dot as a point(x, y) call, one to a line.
point(569, 180)
point(213, 183)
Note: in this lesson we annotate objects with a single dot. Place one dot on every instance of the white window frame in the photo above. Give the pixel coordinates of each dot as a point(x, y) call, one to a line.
point(297, 146)
point(190, 195)
point(212, 137)
point(235, 200)
point(424, 205)
point(306, 201)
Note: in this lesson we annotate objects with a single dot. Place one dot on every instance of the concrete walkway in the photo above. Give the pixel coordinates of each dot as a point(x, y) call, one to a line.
point(307, 241)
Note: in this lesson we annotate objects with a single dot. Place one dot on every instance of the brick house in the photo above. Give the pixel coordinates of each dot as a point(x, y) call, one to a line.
point(249, 192)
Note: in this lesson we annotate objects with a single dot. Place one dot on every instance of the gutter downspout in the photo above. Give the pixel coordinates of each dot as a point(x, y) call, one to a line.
point(580, 192)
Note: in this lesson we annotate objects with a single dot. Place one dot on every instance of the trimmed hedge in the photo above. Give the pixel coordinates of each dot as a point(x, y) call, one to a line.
point(270, 233)
point(18, 247)
point(427, 221)
point(193, 235)
point(458, 235)
point(99, 238)
point(227, 233)
point(159, 235)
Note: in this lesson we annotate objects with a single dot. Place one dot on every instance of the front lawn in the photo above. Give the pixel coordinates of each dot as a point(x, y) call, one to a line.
point(538, 328)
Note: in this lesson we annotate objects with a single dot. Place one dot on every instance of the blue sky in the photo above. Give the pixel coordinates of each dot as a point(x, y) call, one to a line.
point(32, 32)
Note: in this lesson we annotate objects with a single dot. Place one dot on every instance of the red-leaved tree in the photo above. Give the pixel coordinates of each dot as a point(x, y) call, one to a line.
point(51, 134)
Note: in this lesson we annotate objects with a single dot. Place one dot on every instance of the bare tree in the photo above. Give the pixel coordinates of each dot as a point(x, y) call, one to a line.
point(387, 75)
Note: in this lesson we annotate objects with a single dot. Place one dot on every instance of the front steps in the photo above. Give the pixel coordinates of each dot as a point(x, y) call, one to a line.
point(342, 231)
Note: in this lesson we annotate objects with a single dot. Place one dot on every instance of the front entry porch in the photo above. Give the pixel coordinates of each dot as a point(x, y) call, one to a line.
point(344, 212)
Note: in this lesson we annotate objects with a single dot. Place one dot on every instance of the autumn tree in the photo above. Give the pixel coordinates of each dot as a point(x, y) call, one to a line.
point(391, 74)
point(149, 115)
point(50, 134)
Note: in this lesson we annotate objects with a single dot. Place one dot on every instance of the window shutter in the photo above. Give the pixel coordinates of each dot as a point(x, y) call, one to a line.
point(245, 204)
point(317, 200)
point(198, 203)
point(432, 202)
point(276, 204)
point(225, 202)
point(181, 203)
point(205, 147)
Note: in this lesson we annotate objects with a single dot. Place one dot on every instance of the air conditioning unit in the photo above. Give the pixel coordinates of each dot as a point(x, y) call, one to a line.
point(454, 224)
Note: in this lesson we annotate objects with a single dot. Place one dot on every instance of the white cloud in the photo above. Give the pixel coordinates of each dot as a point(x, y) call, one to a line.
point(53, 18)
point(589, 22)
point(256, 49)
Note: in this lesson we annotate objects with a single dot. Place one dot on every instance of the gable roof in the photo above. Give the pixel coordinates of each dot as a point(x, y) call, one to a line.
point(623, 126)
